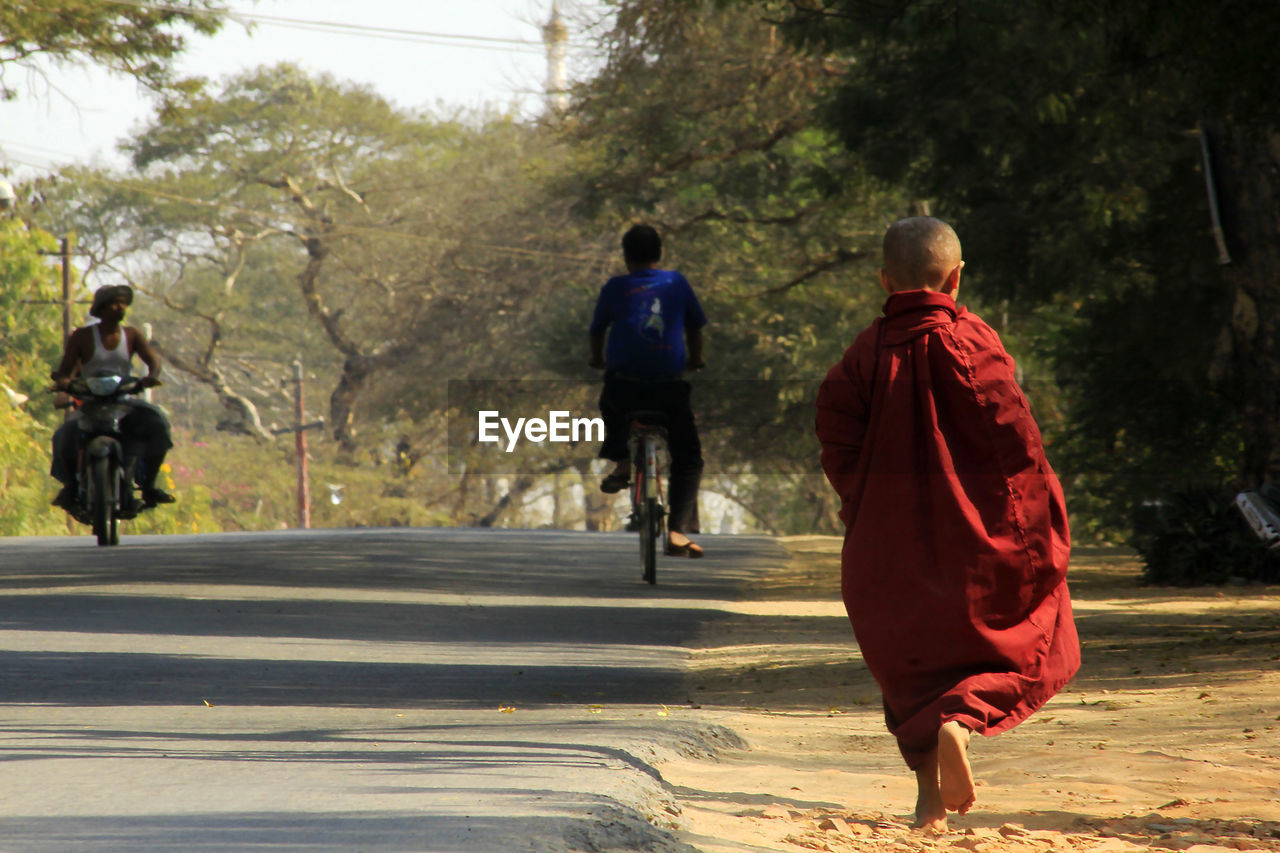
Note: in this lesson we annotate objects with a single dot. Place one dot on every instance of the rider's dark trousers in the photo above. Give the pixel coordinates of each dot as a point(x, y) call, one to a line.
point(147, 438)
point(620, 397)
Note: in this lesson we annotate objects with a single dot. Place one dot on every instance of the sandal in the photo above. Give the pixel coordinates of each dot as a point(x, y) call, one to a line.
point(689, 549)
point(614, 483)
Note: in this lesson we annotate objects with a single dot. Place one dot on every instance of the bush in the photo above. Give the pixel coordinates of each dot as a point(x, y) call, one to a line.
point(193, 512)
point(25, 485)
point(239, 484)
point(1198, 537)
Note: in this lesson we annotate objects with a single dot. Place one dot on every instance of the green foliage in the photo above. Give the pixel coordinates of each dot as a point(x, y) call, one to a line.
point(267, 123)
point(137, 39)
point(1061, 140)
point(288, 216)
point(1058, 151)
point(774, 223)
point(234, 484)
point(30, 328)
point(25, 486)
point(192, 513)
point(1196, 536)
point(1143, 422)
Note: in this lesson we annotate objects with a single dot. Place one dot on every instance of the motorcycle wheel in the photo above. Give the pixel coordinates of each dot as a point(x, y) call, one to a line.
point(113, 535)
point(102, 501)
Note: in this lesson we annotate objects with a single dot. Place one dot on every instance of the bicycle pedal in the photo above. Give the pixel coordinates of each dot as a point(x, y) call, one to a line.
point(633, 524)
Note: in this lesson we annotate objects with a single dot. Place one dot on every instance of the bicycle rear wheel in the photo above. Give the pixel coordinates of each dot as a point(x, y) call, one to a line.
point(650, 533)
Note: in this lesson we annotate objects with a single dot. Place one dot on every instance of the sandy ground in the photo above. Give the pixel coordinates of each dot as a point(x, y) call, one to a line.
point(1169, 738)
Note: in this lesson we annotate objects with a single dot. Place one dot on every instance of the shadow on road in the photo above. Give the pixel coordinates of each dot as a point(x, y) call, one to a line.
point(412, 618)
point(439, 560)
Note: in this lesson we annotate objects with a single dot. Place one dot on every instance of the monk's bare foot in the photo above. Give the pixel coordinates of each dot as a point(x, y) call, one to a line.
point(954, 774)
point(931, 814)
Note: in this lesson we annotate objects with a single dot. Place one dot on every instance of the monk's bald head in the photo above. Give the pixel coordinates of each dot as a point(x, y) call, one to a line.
point(920, 252)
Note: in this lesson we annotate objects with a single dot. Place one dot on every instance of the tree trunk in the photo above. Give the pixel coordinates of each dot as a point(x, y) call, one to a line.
point(355, 372)
point(507, 502)
point(357, 366)
point(557, 501)
point(597, 510)
point(1248, 167)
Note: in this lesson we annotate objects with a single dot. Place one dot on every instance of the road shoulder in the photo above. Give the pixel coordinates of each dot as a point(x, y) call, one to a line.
point(1167, 739)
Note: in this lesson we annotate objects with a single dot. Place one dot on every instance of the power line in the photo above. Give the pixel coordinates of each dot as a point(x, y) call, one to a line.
point(35, 150)
point(410, 38)
point(341, 28)
point(363, 28)
point(6, 144)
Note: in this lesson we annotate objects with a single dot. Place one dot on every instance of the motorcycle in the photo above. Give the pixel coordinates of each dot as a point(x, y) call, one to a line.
point(105, 474)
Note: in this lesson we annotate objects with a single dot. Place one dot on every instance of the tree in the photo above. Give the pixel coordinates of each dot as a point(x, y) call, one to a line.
point(1065, 141)
point(30, 342)
point(24, 473)
point(132, 37)
point(286, 216)
point(269, 202)
point(30, 334)
point(702, 122)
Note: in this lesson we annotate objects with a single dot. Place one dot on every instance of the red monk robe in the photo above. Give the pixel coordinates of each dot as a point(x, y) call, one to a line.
point(955, 553)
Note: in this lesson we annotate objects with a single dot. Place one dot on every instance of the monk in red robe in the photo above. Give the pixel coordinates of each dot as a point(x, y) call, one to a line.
point(955, 553)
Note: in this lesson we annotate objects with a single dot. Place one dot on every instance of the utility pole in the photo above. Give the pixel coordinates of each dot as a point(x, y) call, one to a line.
point(67, 303)
point(299, 430)
point(66, 288)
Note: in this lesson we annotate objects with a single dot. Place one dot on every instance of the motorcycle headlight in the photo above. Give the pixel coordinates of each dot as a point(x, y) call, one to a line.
point(103, 385)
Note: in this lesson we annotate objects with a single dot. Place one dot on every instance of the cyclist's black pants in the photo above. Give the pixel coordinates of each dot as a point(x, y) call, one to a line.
point(622, 396)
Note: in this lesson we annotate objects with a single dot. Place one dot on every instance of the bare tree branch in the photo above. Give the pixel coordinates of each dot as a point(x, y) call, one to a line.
point(244, 413)
point(839, 259)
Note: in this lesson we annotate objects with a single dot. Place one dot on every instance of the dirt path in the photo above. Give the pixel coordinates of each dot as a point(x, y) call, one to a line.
point(1169, 738)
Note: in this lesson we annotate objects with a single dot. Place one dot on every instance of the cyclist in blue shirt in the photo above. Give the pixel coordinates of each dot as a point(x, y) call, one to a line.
point(654, 333)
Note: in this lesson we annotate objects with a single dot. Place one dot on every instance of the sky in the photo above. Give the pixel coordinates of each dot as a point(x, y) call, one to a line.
point(77, 114)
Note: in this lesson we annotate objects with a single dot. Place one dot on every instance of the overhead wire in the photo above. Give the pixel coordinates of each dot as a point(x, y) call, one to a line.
point(332, 27)
point(39, 151)
point(339, 27)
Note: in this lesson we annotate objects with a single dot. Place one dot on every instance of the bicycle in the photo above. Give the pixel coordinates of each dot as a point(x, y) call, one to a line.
point(645, 441)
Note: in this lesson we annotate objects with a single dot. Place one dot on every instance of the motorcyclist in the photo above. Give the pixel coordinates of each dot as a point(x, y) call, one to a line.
point(103, 348)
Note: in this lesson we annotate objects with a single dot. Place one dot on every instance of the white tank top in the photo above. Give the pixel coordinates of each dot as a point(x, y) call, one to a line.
point(108, 361)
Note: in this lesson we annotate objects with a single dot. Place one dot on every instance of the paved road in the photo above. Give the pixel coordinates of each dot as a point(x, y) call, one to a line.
point(411, 690)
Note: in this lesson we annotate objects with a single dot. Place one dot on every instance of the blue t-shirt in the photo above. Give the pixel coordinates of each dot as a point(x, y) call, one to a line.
point(648, 311)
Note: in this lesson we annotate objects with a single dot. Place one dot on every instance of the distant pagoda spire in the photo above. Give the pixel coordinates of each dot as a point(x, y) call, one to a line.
point(555, 35)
